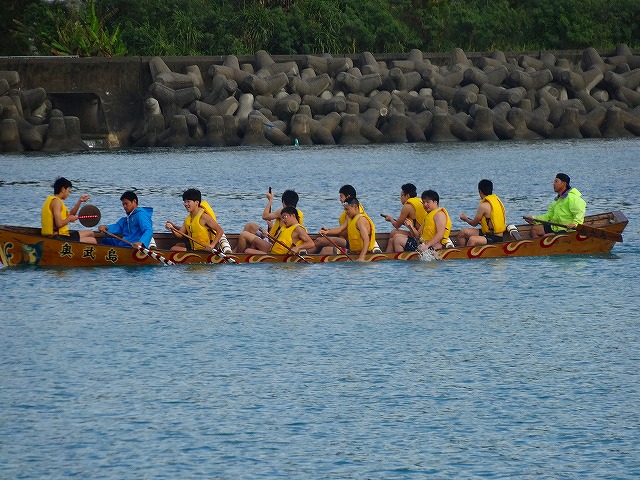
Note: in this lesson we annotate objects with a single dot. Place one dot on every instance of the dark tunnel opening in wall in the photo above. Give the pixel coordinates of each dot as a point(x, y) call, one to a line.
point(87, 106)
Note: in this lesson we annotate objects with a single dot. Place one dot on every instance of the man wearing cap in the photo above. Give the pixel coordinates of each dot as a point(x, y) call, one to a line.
point(568, 209)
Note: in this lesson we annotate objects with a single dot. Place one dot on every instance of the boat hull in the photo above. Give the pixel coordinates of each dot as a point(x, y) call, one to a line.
point(23, 246)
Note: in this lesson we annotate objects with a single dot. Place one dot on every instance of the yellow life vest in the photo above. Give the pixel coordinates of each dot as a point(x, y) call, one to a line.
point(420, 211)
point(429, 229)
point(48, 227)
point(498, 216)
point(354, 237)
point(285, 236)
point(343, 215)
point(207, 209)
point(276, 225)
point(198, 231)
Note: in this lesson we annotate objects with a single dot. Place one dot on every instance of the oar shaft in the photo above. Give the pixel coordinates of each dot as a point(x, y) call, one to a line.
point(340, 249)
point(146, 251)
point(586, 230)
point(213, 250)
point(275, 240)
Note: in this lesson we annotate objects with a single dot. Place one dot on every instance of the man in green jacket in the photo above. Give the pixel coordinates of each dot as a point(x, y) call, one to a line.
point(567, 209)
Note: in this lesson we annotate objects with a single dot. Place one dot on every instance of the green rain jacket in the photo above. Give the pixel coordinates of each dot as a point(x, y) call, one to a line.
point(567, 209)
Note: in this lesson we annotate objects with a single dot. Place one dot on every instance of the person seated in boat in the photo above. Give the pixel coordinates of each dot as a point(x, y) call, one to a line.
point(360, 229)
point(434, 233)
point(56, 217)
point(490, 215)
point(135, 227)
point(292, 237)
point(567, 209)
point(412, 209)
point(252, 232)
point(345, 193)
point(205, 232)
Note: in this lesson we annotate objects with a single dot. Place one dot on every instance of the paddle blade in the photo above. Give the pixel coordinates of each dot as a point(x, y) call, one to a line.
point(89, 215)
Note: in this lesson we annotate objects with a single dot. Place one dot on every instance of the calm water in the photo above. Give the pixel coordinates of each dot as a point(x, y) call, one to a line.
point(517, 368)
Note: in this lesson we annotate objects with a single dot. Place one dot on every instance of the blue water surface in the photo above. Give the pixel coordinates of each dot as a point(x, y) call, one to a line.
point(505, 368)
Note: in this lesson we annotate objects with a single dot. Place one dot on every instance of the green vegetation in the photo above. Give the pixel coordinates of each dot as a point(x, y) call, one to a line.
point(240, 27)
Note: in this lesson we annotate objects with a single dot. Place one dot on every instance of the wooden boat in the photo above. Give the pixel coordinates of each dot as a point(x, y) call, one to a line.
point(25, 246)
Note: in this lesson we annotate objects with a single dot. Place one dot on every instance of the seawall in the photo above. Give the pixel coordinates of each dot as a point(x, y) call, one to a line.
point(329, 99)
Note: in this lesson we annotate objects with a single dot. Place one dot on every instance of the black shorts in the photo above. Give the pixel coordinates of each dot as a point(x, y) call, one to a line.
point(547, 229)
point(492, 238)
point(74, 236)
point(411, 245)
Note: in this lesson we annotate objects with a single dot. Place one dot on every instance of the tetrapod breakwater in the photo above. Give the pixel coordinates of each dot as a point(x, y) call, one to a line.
point(69, 103)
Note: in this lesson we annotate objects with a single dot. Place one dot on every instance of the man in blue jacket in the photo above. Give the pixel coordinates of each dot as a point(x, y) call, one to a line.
point(136, 227)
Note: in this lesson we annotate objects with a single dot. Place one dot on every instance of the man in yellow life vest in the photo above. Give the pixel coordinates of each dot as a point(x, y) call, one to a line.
point(205, 231)
point(345, 193)
point(292, 237)
point(491, 217)
point(412, 210)
point(56, 217)
point(434, 233)
point(361, 232)
point(252, 233)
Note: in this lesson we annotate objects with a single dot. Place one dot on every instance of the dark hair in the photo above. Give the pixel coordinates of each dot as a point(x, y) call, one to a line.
point(353, 201)
point(59, 184)
point(348, 191)
point(192, 194)
point(485, 186)
point(409, 189)
point(563, 177)
point(129, 195)
point(290, 211)
point(290, 198)
point(431, 195)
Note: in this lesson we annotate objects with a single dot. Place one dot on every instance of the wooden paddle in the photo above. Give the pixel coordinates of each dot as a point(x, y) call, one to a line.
point(275, 240)
point(89, 215)
point(207, 247)
point(340, 249)
point(586, 230)
point(146, 251)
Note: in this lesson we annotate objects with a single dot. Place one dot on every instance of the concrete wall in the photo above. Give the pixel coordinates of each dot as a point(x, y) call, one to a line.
point(107, 94)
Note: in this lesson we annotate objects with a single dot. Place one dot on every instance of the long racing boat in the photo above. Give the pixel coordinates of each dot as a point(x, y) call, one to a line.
point(22, 246)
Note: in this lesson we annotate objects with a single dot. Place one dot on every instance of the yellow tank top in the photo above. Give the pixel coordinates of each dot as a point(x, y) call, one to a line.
point(200, 232)
point(420, 211)
point(498, 216)
point(354, 237)
point(48, 227)
point(429, 229)
point(286, 237)
point(276, 225)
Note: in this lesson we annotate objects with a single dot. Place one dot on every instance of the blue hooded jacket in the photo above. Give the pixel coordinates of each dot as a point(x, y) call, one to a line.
point(135, 227)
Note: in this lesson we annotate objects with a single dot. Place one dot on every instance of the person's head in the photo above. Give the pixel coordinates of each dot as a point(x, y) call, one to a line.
point(561, 183)
point(352, 207)
point(61, 183)
point(191, 199)
point(430, 200)
point(408, 190)
point(129, 201)
point(346, 192)
point(290, 198)
point(485, 187)
point(289, 216)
